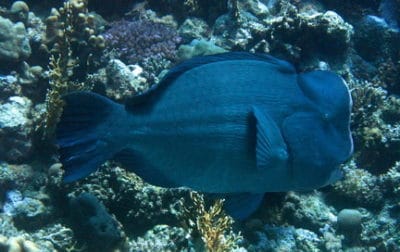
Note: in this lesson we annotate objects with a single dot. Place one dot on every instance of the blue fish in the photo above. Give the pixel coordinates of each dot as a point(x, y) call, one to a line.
point(234, 124)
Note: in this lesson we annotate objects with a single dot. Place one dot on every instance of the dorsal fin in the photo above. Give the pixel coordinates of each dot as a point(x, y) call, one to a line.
point(195, 62)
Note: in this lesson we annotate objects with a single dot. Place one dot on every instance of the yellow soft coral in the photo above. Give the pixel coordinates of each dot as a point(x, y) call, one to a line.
point(66, 28)
point(213, 225)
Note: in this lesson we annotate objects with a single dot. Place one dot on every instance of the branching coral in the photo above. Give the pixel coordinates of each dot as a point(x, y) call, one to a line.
point(213, 225)
point(389, 75)
point(375, 127)
point(144, 42)
point(69, 30)
point(358, 187)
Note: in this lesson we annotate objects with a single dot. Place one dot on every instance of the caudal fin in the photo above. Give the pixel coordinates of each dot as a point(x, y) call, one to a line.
point(80, 134)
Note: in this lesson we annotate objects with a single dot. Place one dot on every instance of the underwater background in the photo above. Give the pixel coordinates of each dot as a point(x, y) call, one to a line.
point(121, 48)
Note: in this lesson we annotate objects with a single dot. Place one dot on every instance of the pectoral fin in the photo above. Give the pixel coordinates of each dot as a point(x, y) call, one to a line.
point(271, 150)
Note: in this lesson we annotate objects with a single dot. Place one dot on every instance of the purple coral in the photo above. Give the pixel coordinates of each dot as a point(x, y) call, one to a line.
point(143, 42)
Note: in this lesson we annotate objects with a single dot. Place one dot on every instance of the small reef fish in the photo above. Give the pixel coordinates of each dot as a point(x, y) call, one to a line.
point(234, 124)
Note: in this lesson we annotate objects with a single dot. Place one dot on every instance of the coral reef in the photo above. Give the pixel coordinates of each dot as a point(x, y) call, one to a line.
point(28, 213)
point(15, 129)
point(358, 188)
point(93, 224)
point(17, 244)
point(128, 198)
point(349, 222)
point(375, 127)
point(14, 43)
point(303, 37)
point(193, 28)
point(198, 48)
point(74, 48)
point(144, 42)
point(161, 238)
point(307, 211)
point(71, 32)
point(124, 81)
point(208, 10)
point(213, 225)
point(276, 238)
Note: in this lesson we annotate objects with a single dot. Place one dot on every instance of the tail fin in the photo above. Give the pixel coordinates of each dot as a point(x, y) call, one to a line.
point(79, 135)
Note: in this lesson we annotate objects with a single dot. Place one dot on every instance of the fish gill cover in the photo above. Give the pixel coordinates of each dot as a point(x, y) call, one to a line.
point(51, 48)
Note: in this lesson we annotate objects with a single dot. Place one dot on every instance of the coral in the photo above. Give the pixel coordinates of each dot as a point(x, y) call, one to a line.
point(307, 211)
point(17, 177)
point(14, 42)
point(161, 238)
point(93, 224)
point(380, 230)
point(72, 35)
point(389, 74)
point(300, 36)
point(11, 238)
point(8, 87)
point(352, 10)
point(151, 45)
point(181, 9)
point(20, 11)
point(306, 240)
point(7, 227)
point(375, 127)
point(323, 35)
point(391, 181)
point(15, 129)
point(59, 236)
point(140, 206)
point(238, 30)
point(257, 8)
point(193, 28)
point(359, 44)
point(28, 213)
point(124, 81)
point(213, 225)
point(357, 188)
point(373, 39)
point(137, 205)
point(73, 22)
point(349, 222)
point(17, 244)
point(111, 8)
point(332, 242)
point(274, 237)
point(198, 48)
point(119, 81)
point(285, 238)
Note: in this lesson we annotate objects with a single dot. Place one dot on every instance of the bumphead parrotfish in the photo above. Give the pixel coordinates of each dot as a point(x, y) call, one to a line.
point(233, 124)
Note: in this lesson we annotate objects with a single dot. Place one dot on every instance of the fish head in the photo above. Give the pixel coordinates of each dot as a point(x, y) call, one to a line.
point(318, 136)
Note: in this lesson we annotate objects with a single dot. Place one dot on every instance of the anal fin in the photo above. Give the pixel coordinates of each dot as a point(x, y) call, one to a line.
point(141, 167)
